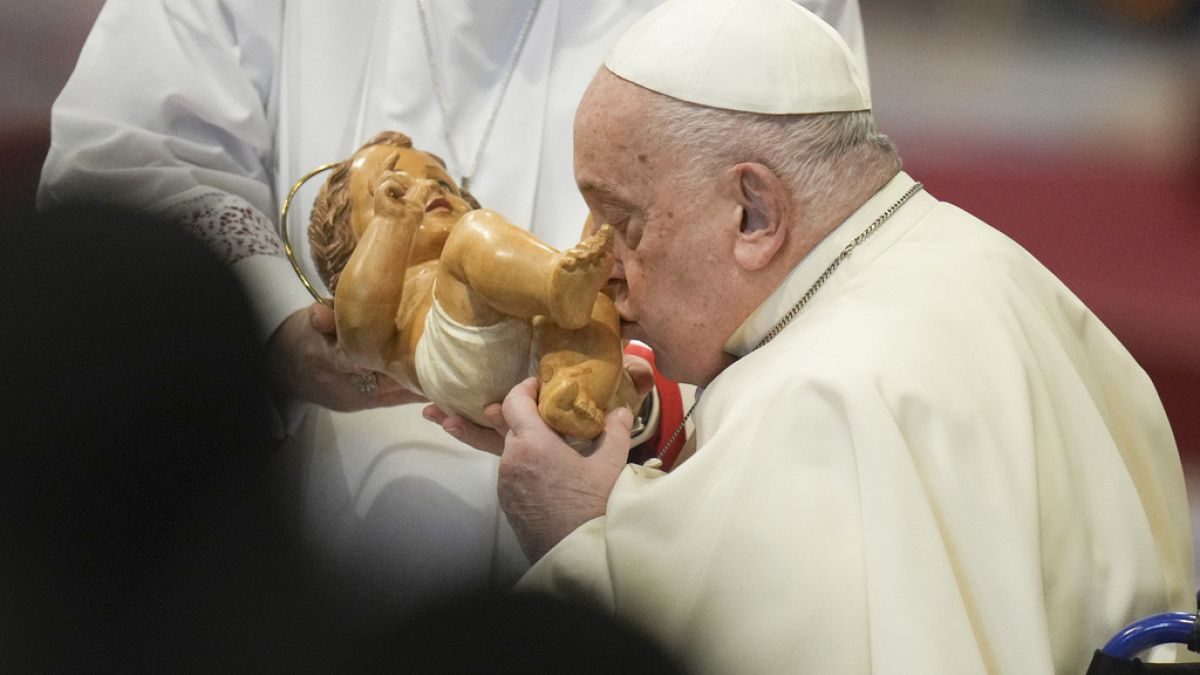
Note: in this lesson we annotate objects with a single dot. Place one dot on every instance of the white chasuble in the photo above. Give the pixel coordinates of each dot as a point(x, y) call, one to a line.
point(944, 464)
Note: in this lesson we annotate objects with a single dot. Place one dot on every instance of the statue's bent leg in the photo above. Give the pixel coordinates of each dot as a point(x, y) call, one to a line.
point(488, 260)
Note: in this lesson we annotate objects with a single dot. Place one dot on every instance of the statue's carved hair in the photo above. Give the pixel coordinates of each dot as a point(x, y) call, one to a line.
point(330, 232)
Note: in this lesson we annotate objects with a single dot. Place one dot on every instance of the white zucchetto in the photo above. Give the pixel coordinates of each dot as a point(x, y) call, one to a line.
point(762, 56)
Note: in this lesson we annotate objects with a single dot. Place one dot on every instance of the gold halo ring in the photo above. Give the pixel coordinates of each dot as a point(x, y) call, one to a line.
point(287, 242)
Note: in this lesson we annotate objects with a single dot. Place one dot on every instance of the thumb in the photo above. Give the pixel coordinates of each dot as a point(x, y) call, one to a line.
point(613, 442)
point(520, 408)
point(641, 373)
point(322, 319)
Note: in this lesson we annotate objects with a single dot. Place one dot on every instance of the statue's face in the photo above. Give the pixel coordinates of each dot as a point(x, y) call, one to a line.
point(444, 204)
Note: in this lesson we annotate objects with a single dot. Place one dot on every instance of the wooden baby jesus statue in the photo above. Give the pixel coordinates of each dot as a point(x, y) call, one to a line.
point(458, 304)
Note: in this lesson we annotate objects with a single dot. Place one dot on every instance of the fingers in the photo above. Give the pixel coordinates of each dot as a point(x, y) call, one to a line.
point(618, 422)
point(641, 373)
point(398, 397)
point(494, 414)
point(613, 442)
point(480, 438)
point(547, 488)
point(306, 364)
point(350, 400)
point(434, 414)
point(419, 192)
point(520, 409)
point(321, 318)
point(385, 390)
point(402, 178)
point(340, 362)
point(387, 385)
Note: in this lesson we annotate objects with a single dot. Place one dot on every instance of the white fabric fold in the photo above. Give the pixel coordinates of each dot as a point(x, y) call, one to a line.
point(944, 464)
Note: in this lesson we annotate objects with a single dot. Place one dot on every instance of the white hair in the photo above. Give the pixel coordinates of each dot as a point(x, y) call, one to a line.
point(819, 155)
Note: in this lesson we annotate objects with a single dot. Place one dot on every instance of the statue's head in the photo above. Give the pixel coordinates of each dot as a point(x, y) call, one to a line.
point(346, 203)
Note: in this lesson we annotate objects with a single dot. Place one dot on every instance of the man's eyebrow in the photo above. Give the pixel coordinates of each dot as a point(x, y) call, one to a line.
point(596, 187)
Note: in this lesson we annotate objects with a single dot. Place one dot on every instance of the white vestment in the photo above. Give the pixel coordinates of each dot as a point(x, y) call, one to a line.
point(944, 464)
point(466, 368)
point(211, 109)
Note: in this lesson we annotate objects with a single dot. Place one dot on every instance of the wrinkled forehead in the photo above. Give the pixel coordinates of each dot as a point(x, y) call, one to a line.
point(611, 100)
point(615, 142)
point(612, 114)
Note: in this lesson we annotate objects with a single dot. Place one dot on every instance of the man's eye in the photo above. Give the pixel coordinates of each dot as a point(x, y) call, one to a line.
point(446, 186)
point(633, 237)
point(630, 236)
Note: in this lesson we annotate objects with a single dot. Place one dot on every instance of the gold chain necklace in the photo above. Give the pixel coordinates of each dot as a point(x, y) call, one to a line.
point(657, 461)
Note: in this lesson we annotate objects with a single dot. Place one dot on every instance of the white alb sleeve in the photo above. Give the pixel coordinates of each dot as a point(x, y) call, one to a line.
point(172, 103)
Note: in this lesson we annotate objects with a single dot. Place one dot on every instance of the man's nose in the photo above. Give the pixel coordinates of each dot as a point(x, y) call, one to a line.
point(617, 274)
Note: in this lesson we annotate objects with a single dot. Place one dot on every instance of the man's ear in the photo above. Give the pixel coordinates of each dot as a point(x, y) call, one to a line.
point(766, 207)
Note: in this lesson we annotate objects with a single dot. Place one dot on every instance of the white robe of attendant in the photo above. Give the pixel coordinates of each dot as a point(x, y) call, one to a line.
point(944, 464)
point(211, 109)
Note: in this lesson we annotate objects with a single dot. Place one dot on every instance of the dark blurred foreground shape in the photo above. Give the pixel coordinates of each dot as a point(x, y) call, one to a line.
point(143, 525)
point(131, 502)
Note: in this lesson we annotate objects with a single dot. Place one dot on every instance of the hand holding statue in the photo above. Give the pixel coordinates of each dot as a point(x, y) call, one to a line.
point(546, 487)
point(305, 363)
point(455, 303)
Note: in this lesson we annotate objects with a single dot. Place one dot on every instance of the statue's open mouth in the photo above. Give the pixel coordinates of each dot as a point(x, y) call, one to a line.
point(439, 203)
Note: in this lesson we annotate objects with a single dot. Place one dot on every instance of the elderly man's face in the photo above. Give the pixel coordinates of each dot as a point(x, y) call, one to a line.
point(670, 258)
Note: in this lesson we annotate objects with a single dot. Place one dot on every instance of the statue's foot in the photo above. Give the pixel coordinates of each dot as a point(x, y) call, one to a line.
point(578, 276)
point(568, 409)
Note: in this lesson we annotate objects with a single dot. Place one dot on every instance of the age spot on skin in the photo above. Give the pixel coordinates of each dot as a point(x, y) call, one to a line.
point(642, 158)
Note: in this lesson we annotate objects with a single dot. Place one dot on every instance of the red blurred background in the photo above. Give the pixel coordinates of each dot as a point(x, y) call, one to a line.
point(1074, 127)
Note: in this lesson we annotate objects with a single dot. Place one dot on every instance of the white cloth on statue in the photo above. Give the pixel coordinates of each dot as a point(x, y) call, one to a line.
point(944, 464)
point(465, 368)
point(242, 98)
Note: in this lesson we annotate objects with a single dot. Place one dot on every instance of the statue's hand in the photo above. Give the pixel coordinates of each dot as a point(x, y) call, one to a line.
point(401, 197)
point(305, 363)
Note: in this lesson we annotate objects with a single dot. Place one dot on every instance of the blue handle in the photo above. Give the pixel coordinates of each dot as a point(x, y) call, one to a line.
point(1160, 629)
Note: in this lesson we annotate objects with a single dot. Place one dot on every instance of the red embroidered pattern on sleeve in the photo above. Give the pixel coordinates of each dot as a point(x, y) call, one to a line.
point(228, 224)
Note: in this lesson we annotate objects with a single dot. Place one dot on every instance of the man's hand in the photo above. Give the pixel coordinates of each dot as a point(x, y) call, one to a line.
point(305, 363)
point(481, 438)
point(546, 487)
point(641, 373)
